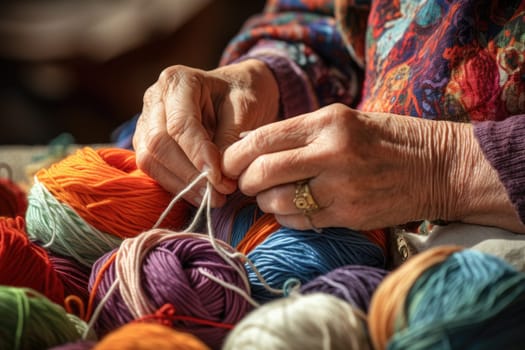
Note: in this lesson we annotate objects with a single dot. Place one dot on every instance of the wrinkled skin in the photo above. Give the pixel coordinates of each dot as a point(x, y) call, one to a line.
point(190, 116)
point(366, 170)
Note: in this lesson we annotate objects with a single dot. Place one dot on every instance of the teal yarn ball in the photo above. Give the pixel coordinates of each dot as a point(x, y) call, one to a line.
point(304, 255)
point(28, 320)
point(62, 230)
point(472, 300)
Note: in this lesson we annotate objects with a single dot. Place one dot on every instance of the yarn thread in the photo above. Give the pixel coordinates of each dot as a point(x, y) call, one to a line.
point(257, 233)
point(62, 231)
point(304, 255)
point(75, 278)
point(25, 264)
point(461, 298)
point(354, 284)
point(105, 186)
point(31, 321)
point(147, 336)
point(130, 270)
point(309, 322)
point(233, 220)
point(13, 201)
point(84, 205)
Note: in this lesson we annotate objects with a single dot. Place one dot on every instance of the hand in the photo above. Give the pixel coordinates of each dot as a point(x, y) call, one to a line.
point(369, 170)
point(189, 116)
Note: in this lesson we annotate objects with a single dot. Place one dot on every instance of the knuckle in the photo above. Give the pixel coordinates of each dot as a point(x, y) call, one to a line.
point(262, 167)
point(335, 112)
point(258, 139)
point(149, 94)
point(144, 160)
point(177, 74)
point(170, 73)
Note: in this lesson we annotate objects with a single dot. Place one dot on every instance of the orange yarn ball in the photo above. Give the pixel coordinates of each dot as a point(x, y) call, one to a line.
point(108, 191)
point(378, 237)
point(147, 336)
point(25, 264)
point(258, 232)
point(388, 300)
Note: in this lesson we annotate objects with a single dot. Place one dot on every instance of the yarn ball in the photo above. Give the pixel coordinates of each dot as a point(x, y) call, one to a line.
point(309, 322)
point(31, 321)
point(13, 199)
point(232, 221)
point(74, 276)
point(146, 336)
point(161, 274)
point(304, 255)
point(25, 264)
point(257, 233)
point(354, 284)
point(450, 298)
point(85, 204)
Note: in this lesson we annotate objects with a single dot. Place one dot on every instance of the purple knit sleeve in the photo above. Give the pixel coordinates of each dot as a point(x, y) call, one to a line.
point(296, 95)
point(301, 43)
point(503, 144)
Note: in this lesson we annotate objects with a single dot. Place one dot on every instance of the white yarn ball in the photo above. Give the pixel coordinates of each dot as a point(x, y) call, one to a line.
point(301, 322)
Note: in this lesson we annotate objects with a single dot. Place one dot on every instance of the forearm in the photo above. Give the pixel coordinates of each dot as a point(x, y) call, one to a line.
point(446, 174)
point(467, 187)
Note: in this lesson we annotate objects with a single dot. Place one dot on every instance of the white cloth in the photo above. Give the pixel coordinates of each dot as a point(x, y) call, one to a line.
point(507, 245)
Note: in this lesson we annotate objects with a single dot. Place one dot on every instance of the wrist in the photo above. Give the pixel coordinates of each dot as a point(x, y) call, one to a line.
point(257, 84)
point(468, 188)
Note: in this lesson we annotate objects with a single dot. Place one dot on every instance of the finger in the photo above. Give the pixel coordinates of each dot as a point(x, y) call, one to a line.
point(185, 104)
point(270, 138)
point(172, 183)
point(299, 222)
point(154, 142)
point(275, 169)
point(278, 200)
point(169, 181)
point(281, 199)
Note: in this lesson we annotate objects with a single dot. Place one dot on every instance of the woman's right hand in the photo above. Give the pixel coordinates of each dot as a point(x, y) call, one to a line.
point(190, 116)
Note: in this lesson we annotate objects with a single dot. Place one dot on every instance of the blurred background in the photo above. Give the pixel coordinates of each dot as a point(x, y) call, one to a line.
point(81, 67)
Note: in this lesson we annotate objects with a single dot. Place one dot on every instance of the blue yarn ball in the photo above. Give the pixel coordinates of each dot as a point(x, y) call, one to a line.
point(232, 221)
point(472, 300)
point(303, 255)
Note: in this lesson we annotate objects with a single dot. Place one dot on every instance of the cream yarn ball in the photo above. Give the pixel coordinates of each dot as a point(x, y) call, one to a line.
point(301, 322)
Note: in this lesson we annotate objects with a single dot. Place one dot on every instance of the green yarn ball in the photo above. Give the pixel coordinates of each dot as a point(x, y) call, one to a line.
point(31, 321)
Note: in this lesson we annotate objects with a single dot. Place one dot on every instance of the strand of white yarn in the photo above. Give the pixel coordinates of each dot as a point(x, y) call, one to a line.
point(131, 249)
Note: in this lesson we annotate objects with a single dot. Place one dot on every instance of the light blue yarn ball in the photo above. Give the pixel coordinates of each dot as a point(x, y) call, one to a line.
point(472, 300)
point(303, 255)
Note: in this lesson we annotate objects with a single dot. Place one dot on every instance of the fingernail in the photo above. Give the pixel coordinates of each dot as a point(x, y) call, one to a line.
point(244, 134)
point(202, 191)
point(197, 200)
point(206, 169)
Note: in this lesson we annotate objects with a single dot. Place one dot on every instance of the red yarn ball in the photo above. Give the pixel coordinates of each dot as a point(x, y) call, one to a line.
point(13, 199)
point(24, 263)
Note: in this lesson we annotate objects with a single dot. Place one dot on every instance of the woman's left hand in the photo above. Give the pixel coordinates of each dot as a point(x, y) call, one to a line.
point(367, 170)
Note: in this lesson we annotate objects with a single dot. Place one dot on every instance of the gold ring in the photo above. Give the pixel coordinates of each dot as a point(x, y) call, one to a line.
point(303, 199)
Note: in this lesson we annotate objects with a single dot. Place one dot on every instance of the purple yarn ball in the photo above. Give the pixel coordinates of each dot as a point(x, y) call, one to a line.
point(353, 283)
point(170, 274)
point(74, 275)
point(231, 221)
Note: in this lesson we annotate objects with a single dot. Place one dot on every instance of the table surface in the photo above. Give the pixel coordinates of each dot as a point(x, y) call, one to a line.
point(20, 162)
